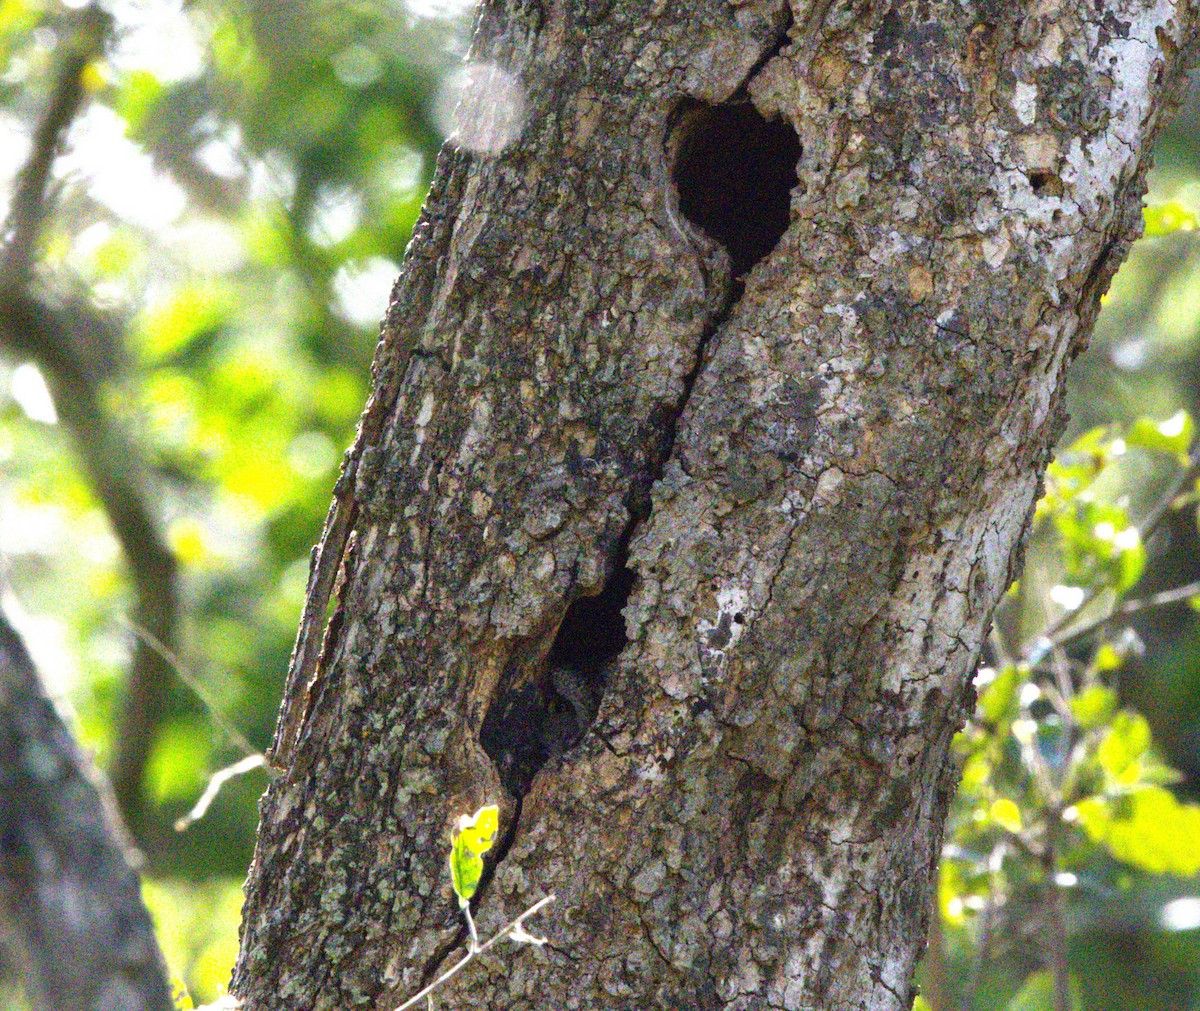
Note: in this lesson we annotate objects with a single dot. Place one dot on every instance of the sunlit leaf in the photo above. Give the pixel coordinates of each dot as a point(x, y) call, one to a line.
point(1006, 814)
point(180, 996)
point(137, 95)
point(191, 309)
point(1037, 993)
point(197, 929)
point(1106, 659)
point(178, 764)
point(1099, 545)
point(1126, 741)
point(1148, 828)
point(977, 770)
point(1093, 706)
point(999, 698)
point(473, 836)
point(1173, 436)
point(1075, 469)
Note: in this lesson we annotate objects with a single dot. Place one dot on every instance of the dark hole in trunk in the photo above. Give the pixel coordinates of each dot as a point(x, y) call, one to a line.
point(734, 172)
point(528, 726)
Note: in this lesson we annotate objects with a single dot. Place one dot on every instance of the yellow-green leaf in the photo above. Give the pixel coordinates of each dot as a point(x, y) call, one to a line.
point(977, 770)
point(1149, 829)
point(180, 996)
point(998, 700)
point(1106, 659)
point(1094, 706)
point(1173, 436)
point(1037, 993)
point(473, 836)
point(1127, 740)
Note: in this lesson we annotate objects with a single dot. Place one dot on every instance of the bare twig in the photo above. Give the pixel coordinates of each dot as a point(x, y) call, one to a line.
point(217, 780)
point(1160, 599)
point(515, 929)
point(235, 736)
point(253, 759)
point(987, 918)
point(1056, 952)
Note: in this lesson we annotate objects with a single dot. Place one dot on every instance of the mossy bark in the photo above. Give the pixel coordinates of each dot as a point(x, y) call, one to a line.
point(783, 502)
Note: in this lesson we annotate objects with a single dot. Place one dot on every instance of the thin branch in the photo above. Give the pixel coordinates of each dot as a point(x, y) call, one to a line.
point(31, 203)
point(236, 737)
point(217, 780)
point(1056, 952)
point(987, 918)
point(55, 338)
point(512, 928)
point(67, 342)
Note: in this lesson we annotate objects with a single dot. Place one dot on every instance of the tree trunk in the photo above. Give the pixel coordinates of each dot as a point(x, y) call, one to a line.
point(706, 421)
point(70, 903)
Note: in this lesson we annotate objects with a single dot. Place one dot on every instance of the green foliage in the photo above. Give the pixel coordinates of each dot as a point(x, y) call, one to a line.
point(197, 930)
point(233, 201)
point(1173, 436)
point(236, 205)
point(1060, 782)
point(1037, 994)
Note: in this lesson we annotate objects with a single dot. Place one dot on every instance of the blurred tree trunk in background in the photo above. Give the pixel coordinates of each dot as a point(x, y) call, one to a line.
point(710, 407)
point(70, 903)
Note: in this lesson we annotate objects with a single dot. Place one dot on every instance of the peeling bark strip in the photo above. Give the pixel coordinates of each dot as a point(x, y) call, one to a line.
point(811, 481)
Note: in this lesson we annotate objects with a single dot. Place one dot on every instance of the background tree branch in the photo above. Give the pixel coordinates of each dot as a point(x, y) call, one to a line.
point(70, 903)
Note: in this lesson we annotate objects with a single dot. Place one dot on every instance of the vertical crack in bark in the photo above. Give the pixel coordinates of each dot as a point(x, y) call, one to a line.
point(732, 172)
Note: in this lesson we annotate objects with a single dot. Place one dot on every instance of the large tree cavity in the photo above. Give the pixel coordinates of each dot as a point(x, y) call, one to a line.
point(734, 173)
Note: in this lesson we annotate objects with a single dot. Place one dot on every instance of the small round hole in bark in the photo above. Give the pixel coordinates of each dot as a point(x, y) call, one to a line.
point(734, 172)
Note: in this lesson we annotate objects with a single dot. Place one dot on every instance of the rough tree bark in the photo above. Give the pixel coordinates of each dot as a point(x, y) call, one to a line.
point(747, 470)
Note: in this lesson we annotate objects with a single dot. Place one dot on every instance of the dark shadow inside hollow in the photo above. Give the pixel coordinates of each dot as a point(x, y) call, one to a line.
point(592, 633)
point(527, 726)
point(734, 172)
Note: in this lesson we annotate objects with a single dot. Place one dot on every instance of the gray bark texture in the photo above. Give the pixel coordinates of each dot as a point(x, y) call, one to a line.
point(677, 514)
point(70, 904)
